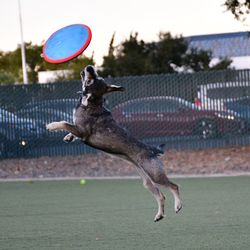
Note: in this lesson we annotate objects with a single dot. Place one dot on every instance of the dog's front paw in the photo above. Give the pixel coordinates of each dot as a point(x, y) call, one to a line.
point(52, 126)
point(68, 138)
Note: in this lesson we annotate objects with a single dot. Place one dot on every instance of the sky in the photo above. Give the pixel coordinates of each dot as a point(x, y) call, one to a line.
point(147, 17)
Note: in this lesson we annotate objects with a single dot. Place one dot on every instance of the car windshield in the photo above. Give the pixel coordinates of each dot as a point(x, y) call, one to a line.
point(61, 104)
point(6, 115)
point(244, 102)
point(157, 105)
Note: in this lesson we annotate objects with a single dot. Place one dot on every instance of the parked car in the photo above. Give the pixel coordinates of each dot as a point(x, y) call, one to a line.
point(11, 140)
point(28, 126)
point(172, 116)
point(65, 105)
point(241, 108)
point(16, 132)
point(44, 116)
point(213, 95)
point(46, 111)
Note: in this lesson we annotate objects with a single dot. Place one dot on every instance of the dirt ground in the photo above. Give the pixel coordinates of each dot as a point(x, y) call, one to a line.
point(185, 162)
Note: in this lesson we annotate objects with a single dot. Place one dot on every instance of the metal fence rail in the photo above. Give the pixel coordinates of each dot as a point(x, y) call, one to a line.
point(201, 110)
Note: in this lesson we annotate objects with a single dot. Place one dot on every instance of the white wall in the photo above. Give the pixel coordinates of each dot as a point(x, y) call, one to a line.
point(50, 76)
point(241, 62)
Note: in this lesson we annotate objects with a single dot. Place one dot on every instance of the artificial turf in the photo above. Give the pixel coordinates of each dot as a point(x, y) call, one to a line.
point(118, 214)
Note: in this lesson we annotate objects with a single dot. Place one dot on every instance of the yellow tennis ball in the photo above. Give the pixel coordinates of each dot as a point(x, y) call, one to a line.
point(82, 182)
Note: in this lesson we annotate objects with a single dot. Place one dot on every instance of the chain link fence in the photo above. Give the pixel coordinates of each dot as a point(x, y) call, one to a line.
point(201, 110)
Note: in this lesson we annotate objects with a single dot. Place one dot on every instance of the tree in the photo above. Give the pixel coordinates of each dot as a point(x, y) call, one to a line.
point(168, 55)
point(224, 63)
point(239, 8)
point(33, 60)
point(201, 60)
point(197, 60)
point(109, 60)
point(131, 56)
point(128, 58)
point(11, 64)
point(6, 78)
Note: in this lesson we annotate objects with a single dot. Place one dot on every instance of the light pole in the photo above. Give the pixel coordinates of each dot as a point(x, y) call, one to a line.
point(25, 77)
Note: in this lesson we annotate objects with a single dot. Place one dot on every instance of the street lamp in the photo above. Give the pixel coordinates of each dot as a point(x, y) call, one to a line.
point(25, 77)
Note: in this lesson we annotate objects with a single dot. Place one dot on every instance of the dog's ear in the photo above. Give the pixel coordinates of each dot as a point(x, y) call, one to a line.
point(82, 74)
point(111, 88)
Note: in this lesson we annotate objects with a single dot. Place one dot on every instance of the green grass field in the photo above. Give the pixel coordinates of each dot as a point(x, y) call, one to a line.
point(118, 214)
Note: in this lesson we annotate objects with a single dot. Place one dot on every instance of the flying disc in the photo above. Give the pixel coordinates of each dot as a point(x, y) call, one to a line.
point(67, 43)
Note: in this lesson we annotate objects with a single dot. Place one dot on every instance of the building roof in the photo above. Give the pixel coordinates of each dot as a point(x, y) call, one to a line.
point(235, 44)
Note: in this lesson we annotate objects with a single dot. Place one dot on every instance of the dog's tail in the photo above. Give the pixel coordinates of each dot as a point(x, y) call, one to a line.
point(161, 147)
point(157, 150)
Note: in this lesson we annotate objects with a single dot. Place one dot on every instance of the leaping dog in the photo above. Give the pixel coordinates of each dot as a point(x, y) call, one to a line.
point(95, 126)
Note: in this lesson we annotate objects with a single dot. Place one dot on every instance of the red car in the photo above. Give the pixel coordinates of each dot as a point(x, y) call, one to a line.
point(160, 116)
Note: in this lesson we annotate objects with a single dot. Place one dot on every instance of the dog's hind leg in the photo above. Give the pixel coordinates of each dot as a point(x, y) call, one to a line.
point(176, 193)
point(159, 197)
point(155, 170)
point(63, 125)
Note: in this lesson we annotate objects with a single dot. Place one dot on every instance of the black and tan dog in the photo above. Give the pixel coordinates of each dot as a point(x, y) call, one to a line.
point(95, 126)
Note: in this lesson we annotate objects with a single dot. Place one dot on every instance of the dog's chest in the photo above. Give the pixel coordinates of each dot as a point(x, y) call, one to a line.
point(81, 115)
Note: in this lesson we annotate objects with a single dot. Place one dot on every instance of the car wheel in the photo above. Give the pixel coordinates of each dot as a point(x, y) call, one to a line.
point(206, 129)
point(240, 128)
